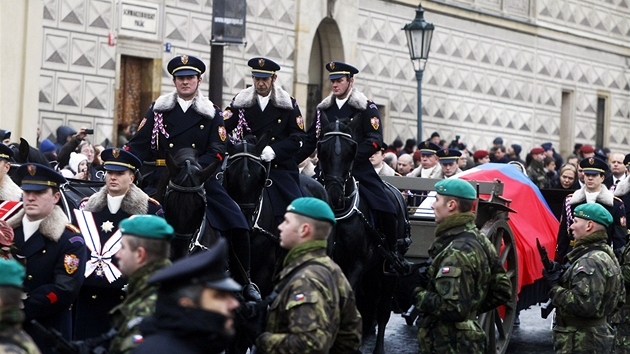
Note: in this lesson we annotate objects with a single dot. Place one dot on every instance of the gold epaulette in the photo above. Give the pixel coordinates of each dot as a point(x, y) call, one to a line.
point(73, 228)
point(618, 199)
point(154, 201)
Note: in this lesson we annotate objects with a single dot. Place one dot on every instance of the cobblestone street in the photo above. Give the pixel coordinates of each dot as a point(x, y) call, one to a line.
point(533, 336)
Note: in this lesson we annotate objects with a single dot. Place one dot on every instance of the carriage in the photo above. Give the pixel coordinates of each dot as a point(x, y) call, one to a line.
point(504, 222)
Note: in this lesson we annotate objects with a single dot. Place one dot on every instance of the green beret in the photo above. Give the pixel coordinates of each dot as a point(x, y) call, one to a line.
point(595, 212)
point(312, 208)
point(148, 226)
point(456, 188)
point(11, 273)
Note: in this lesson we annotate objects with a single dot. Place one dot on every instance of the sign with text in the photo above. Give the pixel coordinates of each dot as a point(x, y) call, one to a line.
point(228, 21)
point(139, 17)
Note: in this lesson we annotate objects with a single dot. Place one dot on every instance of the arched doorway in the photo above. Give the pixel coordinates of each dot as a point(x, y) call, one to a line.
point(327, 46)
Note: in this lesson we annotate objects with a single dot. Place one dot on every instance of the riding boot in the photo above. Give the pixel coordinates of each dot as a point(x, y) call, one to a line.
point(240, 264)
point(388, 226)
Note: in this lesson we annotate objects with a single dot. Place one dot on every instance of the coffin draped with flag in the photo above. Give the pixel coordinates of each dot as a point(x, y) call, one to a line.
point(533, 219)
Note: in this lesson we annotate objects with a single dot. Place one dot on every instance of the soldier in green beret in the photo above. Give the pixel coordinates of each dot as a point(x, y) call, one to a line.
point(144, 251)
point(590, 290)
point(456, 287)
point(314, 311)
point(13, 339)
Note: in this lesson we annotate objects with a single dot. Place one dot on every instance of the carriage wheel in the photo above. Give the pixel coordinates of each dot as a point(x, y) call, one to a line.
point(499, 323)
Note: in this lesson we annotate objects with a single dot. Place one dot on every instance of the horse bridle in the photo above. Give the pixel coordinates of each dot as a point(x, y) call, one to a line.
point(337, 180)
point(256, 206)
point(201, 192)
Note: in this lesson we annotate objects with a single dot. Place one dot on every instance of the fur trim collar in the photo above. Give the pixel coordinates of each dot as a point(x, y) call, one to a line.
point(135, 201)
point(52, 226)
point(9, 190)
point(248, 97)
point(356, 100)
point(200, 104)
point(623, 188)
point(605, 197)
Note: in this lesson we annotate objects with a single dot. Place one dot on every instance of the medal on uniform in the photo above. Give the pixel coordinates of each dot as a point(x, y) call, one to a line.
point(99, 269)
point(107, 226)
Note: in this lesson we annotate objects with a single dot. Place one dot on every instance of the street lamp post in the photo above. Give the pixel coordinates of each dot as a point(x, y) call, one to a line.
point(419, 34)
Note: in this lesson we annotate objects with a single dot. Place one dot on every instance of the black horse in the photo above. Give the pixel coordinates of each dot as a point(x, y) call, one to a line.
point(244, 179)
point(23, 153)
point(359, 248)
point(183, 198)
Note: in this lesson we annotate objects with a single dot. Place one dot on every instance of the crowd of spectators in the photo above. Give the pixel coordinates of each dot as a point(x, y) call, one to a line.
point(543, 165)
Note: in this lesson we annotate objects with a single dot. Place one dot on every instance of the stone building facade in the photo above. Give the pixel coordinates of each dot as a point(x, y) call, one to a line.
point(529, 71)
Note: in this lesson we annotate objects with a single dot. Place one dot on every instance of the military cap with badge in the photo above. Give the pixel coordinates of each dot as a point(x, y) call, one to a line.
point(206, 268)
point(186, 65)
point(595, 212)
point(339, 69)
point(11, 273)
point(36, 177)
point(480, 154)
point(537, 150)
point(263, 67)
point(448, 155)
point(6, 153)
point(115, 159)
point(313, 208)
point(147, 226)
point(456, 188)
point(428, 148)
point(593, 166)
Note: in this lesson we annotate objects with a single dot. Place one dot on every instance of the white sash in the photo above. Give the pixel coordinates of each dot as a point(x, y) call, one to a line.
point(101, 257)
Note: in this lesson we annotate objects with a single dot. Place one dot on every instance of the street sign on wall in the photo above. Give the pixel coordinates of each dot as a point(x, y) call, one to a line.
point(139, 19)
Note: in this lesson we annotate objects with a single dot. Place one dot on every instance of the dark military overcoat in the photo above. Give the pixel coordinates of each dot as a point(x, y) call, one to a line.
point(55, 263)
point(283, 118)
point(167, 128)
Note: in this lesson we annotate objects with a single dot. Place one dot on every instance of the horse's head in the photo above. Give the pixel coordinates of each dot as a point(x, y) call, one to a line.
point(246, 174)
point(184, 200)
point(336, 151)
point(23, 153)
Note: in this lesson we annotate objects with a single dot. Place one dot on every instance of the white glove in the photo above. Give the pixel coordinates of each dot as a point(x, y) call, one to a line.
point(268, 154)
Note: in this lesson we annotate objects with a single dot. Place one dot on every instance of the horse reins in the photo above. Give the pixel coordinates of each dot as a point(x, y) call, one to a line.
point(256, 206)
point(195, 189)
point(340, 180)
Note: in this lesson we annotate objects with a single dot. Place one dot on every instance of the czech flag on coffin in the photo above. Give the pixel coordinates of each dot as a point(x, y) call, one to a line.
point(533, 218)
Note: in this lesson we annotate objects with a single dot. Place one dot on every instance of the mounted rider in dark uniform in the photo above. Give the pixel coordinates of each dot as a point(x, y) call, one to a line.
point(185, 118)
point(346, 101)
point(266, 106)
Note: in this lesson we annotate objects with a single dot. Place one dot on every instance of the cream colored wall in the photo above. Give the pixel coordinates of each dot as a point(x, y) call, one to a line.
point(20, 48)
point(310, 15)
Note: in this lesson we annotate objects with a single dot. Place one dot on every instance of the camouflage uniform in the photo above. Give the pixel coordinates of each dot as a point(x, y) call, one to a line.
point(13, 339)
point(316, 311)
point(590, 290)
point(140, 303)
point(536, 173)
point(622, 318)
point(459, 276)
